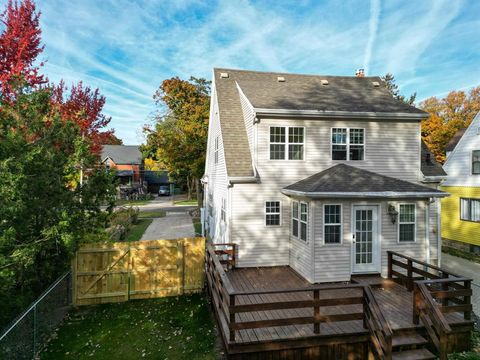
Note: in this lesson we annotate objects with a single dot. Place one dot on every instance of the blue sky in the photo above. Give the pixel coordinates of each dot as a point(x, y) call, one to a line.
point(126, 48)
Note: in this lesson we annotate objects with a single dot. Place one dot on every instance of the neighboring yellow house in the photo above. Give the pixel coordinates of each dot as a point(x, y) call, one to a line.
point(461, 211)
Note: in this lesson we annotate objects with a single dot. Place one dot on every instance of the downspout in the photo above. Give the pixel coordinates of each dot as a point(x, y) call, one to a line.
point(427, 231)
point(439, 233)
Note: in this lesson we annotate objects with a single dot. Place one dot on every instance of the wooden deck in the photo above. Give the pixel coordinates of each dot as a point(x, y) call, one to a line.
point(394, 300)
point(274, 313)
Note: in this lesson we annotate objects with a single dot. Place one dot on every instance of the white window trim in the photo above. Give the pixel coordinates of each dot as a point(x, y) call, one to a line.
point(265, 214)
point(287, 143)
point(414, 224)
point(348, 142)
point(300, 221)
point(217, 149)
point(469, 200)
point(471, 164)
point(325, 225)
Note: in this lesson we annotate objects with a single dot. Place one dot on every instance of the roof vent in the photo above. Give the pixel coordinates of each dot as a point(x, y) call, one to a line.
point(223, 75)
point(324, 82)
point(375, 83)
point(280, 78)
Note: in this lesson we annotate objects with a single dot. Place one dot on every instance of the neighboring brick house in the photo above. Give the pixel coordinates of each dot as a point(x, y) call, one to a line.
point(126, 160)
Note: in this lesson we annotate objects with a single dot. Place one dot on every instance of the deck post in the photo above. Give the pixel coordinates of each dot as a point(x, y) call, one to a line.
point(390, 258)
point(445, 288)
point(232, 318)
point(234, 255)
point(409, 275)
point(467, 315)
point(416, 315)
point(316, 312)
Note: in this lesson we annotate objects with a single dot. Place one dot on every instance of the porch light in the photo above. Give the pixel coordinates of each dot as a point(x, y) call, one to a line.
point(393, 213)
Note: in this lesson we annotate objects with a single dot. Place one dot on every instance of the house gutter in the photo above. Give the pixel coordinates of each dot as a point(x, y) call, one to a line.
point(265, 112)
point(243, 180)
point(378, 194)
point(433, 179)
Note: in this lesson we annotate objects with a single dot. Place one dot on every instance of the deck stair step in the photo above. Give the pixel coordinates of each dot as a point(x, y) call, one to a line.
point(408, 340)
point(374, 280)
point(417, 354)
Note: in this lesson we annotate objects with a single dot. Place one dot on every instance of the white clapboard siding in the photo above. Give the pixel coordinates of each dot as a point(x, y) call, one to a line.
point(459, 163)
point(258, 244)
point(301, 252)
point(248, 117)
point(217, 182)
point(333, 262)
point(392, 149)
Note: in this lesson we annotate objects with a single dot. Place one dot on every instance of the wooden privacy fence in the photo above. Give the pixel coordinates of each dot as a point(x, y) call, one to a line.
point(103, 273)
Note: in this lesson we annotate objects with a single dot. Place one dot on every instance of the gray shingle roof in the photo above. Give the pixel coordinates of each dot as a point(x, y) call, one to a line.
point(455, 139)
point(429, 166)
point(122, 154)
point(297, 92)
point(344, 178)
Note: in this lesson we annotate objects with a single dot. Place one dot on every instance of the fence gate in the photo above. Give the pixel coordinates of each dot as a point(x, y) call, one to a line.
point(104, 273)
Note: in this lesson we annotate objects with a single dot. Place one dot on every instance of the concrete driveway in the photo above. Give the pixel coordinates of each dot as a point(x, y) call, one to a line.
point(173, 226)
point(469, 269)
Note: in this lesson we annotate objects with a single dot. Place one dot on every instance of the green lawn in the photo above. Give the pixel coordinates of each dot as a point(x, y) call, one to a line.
point(168, 328)
point(463, 254)
point(186, 202)
point(132, 202)
point(151, 214)
point(137, 230)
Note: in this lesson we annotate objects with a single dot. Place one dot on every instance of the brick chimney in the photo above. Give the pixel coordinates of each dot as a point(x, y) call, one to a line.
point(360, 73)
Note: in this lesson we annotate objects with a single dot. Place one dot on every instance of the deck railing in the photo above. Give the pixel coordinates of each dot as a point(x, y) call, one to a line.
point(246, 310)
point(436, 292)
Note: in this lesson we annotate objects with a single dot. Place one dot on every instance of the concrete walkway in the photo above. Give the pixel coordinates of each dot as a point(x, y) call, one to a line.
point(173, 226)
point(469, 269)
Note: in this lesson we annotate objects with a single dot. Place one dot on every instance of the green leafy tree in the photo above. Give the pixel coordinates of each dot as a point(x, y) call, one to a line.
point(391, 85)
point(44, 216)
point(179, 139)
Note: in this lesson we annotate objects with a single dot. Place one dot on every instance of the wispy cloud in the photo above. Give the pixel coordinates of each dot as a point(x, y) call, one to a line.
point(126, 48)
point(373, 28)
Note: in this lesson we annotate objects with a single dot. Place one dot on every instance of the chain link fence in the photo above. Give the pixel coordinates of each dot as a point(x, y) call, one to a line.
point(27, 334)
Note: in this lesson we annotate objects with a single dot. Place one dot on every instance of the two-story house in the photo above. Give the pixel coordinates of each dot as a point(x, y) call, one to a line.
point(461, 211)
point(321, 173)
point(126, 160)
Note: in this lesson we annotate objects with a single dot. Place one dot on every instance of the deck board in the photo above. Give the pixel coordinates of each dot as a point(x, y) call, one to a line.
point(394, 300)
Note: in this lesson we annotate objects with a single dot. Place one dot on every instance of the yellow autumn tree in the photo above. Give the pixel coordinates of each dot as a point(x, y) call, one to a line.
point(448, 115)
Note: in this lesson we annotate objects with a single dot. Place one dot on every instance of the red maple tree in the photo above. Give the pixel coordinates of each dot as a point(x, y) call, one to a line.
point(84, 106)
point(20, 45)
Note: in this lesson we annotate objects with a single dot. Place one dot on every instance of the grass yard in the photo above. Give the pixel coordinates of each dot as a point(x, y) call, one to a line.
point(186, 202)
point(132, 202)
point(168, 328)
point(151, 214)
point(136, 231)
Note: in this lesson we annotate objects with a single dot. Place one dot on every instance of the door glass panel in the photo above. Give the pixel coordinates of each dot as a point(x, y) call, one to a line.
point(364, 236)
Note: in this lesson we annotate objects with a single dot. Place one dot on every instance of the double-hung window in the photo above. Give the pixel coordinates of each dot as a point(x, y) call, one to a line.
point(217, 148)
point(287, 142)
point(272, 213)
point(332, 224)
point(406, 223)
point(348, 144)
point(299, 220)
point(470, 209)
point(476, 162)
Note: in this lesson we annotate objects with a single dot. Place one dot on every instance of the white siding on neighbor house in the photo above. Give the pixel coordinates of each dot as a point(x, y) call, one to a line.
point(217, 182)
point(392, 149)
point(459, 163)
point(333, 262)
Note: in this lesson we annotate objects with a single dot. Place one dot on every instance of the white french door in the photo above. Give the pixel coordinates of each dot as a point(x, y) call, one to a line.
point(366, 256)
